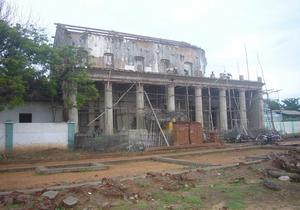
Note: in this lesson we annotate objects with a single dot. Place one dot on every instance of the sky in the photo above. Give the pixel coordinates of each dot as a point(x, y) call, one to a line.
point(269, 30)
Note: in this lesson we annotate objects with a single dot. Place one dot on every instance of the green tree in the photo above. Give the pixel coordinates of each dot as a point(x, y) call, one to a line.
point(69, 73)
point(22, 54)
point(291, 104)
point(273, 104)
point(30, 67)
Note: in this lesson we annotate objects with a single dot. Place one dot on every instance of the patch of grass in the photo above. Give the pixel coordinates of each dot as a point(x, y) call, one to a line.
point(142, 183)
point(193, 200)
point(236, 204)
point(143, 205)
point(14, 206)
point(193, 190)
point(124, 205)
point(167, 197)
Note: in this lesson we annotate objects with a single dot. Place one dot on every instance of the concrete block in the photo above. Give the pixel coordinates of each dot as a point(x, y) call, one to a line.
point(70, 168)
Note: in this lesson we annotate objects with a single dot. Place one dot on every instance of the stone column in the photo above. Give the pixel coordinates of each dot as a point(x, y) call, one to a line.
point(140, 113)
point(243, 111)
point(171, 98)
point(108, 103)
point(198, 105)
point(92, 116)
point(223, 110)
point(260, 109)
point(73, 111)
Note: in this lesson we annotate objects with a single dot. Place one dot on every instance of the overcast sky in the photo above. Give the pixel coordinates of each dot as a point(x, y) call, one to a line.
point(268, 28)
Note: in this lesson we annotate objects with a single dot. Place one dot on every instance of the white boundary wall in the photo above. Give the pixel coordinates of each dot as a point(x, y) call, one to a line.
point(35, 136)
point(2, 136)
point(288, 127)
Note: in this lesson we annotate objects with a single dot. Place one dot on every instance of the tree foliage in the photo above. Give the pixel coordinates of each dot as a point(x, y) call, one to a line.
point(291, 104)
point(22, 51)
point(30, 67)
point(273, 104)
point(69, 65)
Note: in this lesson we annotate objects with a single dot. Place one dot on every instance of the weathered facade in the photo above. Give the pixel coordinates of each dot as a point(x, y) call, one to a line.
point(130, 69)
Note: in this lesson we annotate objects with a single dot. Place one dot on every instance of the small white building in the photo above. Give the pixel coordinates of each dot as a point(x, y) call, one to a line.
point(35, 126)
point(32, 112)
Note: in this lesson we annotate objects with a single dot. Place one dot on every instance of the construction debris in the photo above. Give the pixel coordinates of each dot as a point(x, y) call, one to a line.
point(289, 162)
point(271, 185)
point(70, 201)
point(50, 194)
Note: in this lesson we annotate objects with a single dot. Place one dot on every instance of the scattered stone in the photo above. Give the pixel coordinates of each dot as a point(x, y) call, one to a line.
point(220, 206)
point(45, 204)
point(270, 185)
point(106, 205)
point(22, 198)
point(294, 177)
point(50, 194)
point(153, 174)
point(238, 180)
point(70, 201)
point(7, 200)
point(284, 178)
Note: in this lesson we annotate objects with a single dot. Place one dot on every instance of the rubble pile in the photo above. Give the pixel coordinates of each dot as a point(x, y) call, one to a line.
point(289, 162)
point(173, 182)
point(287, 166)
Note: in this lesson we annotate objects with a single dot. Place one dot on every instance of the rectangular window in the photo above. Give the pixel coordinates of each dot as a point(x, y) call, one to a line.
point(109, 60)
point(188, 69)
point(139, 63)
point(25, 117)
point(164, 65)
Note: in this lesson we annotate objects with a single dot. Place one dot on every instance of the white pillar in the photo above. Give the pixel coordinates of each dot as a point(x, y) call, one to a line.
point(223, 110)
point(198, 105)
point(140, 113)
point(73, 111)
point(70, 102)
point(260, 109)
point(108, 101)
point(171, 98)
point(243, 111)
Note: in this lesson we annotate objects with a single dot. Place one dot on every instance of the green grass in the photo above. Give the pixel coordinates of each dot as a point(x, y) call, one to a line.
point(143, 205)
point(124, 205)
point(236, 194)
point(167, 197)
point(14, 206)
point(193, 200)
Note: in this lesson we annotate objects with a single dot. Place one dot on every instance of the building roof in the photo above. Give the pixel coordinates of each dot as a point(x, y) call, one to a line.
point(288, 112)
point(109, 33)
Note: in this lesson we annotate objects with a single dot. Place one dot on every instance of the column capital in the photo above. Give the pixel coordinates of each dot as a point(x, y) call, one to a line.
point(171, 85)
point(242, 90)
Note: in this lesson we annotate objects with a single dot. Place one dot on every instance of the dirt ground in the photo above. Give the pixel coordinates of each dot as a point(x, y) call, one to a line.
point(29, 179)
point(232, 188)
point(228, 157)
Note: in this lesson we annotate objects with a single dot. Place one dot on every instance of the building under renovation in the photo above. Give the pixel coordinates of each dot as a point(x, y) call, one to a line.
point(146, 82)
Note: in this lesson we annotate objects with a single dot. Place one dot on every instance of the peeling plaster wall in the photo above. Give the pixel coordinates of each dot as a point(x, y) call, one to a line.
point(125, 52)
